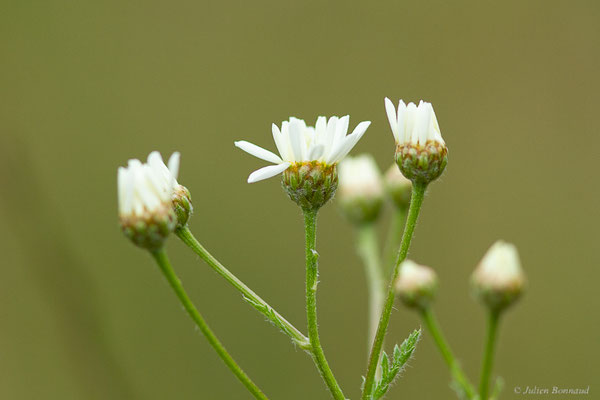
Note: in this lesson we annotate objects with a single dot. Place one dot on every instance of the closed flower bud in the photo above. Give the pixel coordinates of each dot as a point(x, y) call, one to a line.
point(398, 187)
point(360, 189)
point(498, 280)
point(146, 212)
point(421, 153)
point(182, 204)
point(416, 285)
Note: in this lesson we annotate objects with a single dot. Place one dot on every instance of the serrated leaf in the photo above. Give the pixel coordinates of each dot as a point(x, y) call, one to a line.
point(385, 365)
point(390, 370)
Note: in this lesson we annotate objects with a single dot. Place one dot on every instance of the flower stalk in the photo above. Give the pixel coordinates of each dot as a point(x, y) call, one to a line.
point(250, 296)
point(310, 227)
point(394, 238)
point(165, 266)
point(488, 355)
point(442, 345)
point(418, 193)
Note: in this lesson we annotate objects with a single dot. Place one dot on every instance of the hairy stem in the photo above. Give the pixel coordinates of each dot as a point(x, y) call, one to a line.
point(165, 266)
point(488, 355)
point(394, 237)
point(418, 192)
point(298, 337)
point(442, 345)
point(310, 227)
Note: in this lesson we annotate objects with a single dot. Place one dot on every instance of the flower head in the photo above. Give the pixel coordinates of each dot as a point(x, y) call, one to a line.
point(421, 153)
point(360, 188)
point(326, 143)
point(498, 280)
point(416, 285)
point(145, 199)
point(308, 157)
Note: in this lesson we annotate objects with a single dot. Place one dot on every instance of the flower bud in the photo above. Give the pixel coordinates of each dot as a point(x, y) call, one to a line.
point(310, 184)
point(421, 153)
point(416, 285)
point(146, 212)
point(398, 187)
point(182, 204)
point(498, 280)
point(360, 189)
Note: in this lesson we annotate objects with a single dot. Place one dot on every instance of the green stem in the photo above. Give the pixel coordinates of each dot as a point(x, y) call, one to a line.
point(310, 227)
point(163, 262)
point(394, 237)
point(418, 192)
point(368, 250)
point(488, 356)
point(455, 369)
point(298, 337)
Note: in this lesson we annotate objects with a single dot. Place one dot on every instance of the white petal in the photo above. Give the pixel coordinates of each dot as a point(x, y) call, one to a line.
point(267, 172)
point(297, 139)
point(316, 152)
point(435, 126)
point(423, 122)
point(174, 167)
point(327, 140)
point(258, 152)
point(280, 143)
point(410, 135)
point(340, 132)
point(349, 142)
point(392, 118)
point(401, 121)
point(321, 126)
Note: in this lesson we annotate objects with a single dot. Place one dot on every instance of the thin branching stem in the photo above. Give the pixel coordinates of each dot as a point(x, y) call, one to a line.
point(488, 355)
point(255, 300)
point(418, 193)
point(165, 266)
point(310, 227)
point(444, 348)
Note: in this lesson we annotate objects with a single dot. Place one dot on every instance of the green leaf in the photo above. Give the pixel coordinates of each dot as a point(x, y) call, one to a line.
point(390, 370)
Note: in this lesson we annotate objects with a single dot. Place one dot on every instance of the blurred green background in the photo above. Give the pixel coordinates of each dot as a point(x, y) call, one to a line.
point(86, 85)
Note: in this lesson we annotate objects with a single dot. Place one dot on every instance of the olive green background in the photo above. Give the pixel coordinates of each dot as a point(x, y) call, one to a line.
point(85, 85)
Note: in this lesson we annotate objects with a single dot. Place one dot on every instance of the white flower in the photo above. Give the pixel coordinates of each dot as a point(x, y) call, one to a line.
point(500, 268)
point(360, 177)
point(146, 188)
point(414, 277)
point(413, 124)
point(416, 284)
point(327, 143)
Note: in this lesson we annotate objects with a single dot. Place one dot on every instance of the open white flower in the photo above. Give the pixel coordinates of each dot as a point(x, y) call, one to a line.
point(298, 143)
point(145, 188)
point(413, 124)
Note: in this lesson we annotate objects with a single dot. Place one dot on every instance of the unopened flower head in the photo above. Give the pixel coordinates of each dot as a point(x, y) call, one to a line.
point(308, 157)
point(416, 285)
point(182, 204)
point(421, 153)
point(398, 187)
point(360, 188)
point(498, 280)
point(145, 191)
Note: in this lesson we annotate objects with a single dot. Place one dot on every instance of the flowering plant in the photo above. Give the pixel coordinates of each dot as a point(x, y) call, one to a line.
point(313, 164)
